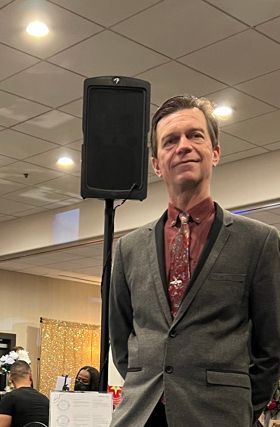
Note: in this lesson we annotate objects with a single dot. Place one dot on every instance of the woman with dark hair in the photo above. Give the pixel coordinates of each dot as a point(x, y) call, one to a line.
point(87, 379)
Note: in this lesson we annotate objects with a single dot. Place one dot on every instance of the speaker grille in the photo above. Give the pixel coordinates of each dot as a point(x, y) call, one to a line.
point(115, 141)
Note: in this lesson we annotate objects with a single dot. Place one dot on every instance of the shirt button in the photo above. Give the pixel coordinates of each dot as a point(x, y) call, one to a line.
point(169, 369)
point(173, 334)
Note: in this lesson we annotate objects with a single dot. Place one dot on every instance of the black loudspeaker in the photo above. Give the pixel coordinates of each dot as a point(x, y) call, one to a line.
point(116, 114)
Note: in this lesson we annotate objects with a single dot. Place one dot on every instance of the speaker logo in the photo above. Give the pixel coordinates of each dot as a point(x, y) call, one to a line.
point(116, 80)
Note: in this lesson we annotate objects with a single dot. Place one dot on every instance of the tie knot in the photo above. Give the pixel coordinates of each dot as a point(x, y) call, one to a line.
point(184, 217)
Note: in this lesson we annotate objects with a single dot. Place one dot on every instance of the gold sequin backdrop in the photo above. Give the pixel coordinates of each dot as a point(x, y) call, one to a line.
point(65, 348)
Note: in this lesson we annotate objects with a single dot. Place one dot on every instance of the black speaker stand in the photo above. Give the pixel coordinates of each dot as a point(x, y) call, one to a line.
point(105, 288)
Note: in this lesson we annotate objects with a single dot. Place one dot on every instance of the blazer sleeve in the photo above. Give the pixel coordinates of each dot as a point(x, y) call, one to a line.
point(120, 313)
point(265, 315)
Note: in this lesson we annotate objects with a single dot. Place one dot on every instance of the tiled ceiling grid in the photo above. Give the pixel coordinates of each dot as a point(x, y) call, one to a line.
point(228, 51)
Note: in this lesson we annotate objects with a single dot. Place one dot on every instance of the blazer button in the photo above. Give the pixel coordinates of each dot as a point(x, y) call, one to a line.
point(173, 334)
point(169, 369)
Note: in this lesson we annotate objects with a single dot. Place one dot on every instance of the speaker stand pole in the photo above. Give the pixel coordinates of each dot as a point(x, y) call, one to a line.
point(105, 288)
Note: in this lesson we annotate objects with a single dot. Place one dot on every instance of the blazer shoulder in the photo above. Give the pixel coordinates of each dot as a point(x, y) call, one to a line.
point(248, 224)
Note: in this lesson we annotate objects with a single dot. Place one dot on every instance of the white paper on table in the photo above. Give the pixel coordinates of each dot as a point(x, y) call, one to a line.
point(80, 409)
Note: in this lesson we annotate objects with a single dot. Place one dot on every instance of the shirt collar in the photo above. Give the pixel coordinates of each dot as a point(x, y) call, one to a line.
point(198, 213)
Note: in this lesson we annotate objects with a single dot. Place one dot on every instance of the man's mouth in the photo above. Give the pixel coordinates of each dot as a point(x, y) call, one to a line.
point(185, 162)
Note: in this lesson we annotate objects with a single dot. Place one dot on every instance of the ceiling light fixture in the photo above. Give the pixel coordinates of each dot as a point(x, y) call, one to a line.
point(223, 112)
point(37, 29)
point(65, 161)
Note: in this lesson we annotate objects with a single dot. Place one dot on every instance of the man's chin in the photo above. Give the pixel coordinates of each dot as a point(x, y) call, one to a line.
point(188, 179)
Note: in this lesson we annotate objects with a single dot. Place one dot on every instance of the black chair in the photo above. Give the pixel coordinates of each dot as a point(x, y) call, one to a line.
point(35, 424)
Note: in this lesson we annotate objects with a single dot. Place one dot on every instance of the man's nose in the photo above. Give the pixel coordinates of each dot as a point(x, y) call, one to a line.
point(183, 144)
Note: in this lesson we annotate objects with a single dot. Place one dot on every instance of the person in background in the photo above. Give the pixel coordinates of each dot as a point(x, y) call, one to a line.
point(195, 295)
point(24, 404)
point(87, 379)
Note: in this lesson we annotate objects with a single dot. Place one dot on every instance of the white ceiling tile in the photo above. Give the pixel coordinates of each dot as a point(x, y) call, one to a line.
point(38, 271)
point(75, 108)
point(271, 28)
point(54, 126)
point(8, 186)
point(108, 54)
point(76, 264)
point(63, 203)
point(14, 265)
point(67, 184)
point(106, 12)
point(265, 87)
point(32, 211)
point(242, 155)
point(50, 158)
point(179, 20)
point(76, 145)
point(6, 160)
point(244, 106)
point(238, 65)
point(153, 108)
point(230, 144)
point(65, 28)
point(13, 61)
point(20, 146)
point(48, 258)
point(14, 109)
point(93, 271)
point(4, 218)
point(35, 196)
point(250, 11)
point(4, 2)
point(10, 207)
point(164, 85)
point(260, 130)
point(273, 147)
point(36, 174)
point(93, 250)
point(45, 83)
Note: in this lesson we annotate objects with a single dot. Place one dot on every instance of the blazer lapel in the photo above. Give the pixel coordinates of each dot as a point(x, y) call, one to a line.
point(215, 251)
point(156, 254)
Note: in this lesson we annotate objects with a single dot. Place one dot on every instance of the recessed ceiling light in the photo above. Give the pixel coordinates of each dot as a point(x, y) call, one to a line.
point(37, 29)
point(223, 112)
point(65, 161)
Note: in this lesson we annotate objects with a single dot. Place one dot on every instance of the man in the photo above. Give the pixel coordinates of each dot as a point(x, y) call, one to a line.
point(24, 404)
point(195, 332)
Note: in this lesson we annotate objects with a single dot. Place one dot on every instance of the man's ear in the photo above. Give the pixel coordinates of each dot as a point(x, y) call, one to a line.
point(216, 155)
point(156, 167)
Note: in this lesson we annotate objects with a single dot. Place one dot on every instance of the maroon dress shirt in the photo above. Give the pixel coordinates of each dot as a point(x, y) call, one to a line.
point(202, 217)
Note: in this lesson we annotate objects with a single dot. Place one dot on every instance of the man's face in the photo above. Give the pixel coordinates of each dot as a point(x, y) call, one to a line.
point(185, 156)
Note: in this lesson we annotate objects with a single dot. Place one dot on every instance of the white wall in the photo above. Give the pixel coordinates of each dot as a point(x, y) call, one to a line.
point(26, 298)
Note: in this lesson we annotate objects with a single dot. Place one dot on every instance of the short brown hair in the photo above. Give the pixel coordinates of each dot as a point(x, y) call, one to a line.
point(19, 369)
point(182, 102)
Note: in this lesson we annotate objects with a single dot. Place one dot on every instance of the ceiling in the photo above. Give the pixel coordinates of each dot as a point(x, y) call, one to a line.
point(226, 50)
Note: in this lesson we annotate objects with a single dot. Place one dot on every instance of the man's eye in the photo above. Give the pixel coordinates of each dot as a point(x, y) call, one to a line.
point(197, 135)
point(169, 141)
